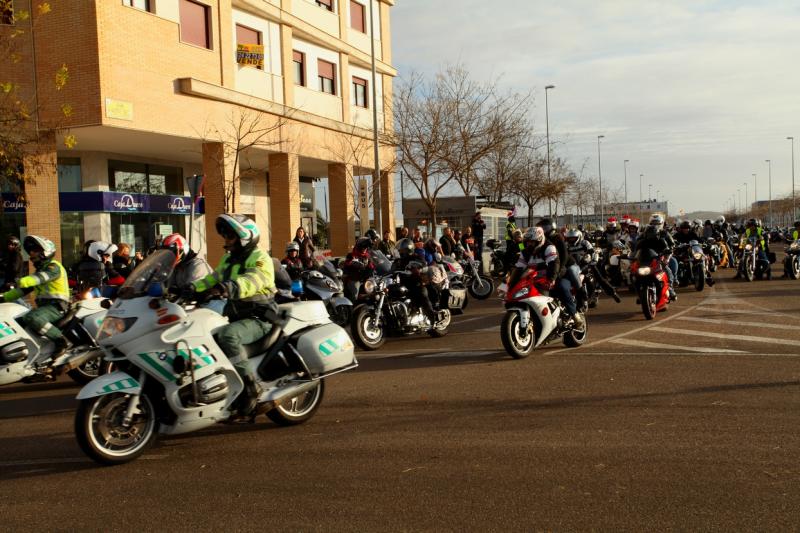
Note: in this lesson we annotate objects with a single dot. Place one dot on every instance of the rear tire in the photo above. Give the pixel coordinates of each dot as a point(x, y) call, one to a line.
point(299, 409)
point(481, 287)
point(575, 338)
point(440, 330)
point(365, 335)
point(86, 372)
point(516, 346)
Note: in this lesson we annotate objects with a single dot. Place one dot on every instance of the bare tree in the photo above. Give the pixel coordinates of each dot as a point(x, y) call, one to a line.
point(530, 187)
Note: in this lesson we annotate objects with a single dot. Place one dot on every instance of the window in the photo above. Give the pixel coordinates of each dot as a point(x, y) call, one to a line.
point(357, 17)
point(360, 92)
point(245, 35)
point(6, 11)
point(69, 174)
point(327, 77)
point(144, 5)
point(195, 25)
point(299, 68)
point(140, 178)
point(326, 4)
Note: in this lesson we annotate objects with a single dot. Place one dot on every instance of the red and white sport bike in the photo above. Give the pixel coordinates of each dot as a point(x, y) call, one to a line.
point(533, 318)
point(651, 283)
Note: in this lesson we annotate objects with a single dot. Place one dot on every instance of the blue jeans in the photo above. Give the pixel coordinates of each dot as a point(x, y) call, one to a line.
point(563, 291)
point(672, 270)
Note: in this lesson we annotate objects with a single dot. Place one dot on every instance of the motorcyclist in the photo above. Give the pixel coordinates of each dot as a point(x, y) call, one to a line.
point(292, 262)
point(610, 235)
point(685, 235)
point(568, 270)
point(50, 286)
point(754, 229)
point(357, 267)
point(373, 237)
point(411, 264)
point(246, 276)
point(95, 270)
point(13, 264)
point(796, 231)
point(190, 267)
point(660, 242)
point(582, 253)
point(511, 227)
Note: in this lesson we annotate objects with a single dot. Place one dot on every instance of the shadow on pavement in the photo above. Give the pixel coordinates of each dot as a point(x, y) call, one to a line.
point(45, 451)
point(37, 406)
point(433, 358)
point(20, 388)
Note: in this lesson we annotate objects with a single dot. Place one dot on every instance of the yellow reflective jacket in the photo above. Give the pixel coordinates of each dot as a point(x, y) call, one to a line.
point(254, 276)
point(49, 282)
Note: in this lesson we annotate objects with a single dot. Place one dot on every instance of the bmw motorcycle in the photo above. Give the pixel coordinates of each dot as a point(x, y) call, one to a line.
point(324, 284)
point(172, 377)
point(533, 318)
point(29, 357)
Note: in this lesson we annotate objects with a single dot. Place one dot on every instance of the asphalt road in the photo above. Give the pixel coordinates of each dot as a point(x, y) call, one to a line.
point(687, 422)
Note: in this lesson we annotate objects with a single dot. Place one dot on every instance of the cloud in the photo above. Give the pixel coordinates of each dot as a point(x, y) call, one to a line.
point(697, 94)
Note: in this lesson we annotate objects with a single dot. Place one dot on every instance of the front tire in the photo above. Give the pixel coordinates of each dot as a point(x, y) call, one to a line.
point(366, 334)
point(749, 271)
point(518, 346)
point(699, 278)
point(647, 297)
point(299, 409)
point(794, 267)
point(481, 287)
point(102, 435)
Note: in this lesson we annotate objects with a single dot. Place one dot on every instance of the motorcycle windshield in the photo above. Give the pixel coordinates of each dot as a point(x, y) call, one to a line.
point(156, 268)
point(282, 278)
point(327, 268)
point(383, 265)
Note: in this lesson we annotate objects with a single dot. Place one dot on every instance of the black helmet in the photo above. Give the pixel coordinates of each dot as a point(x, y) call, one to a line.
point(364, 243)
point(547, 226)
point(796, 224)
point(751, 222)
point(685, 225)
point(372, 235)
point(13, 241)
point(405, 247)
point(650, 232)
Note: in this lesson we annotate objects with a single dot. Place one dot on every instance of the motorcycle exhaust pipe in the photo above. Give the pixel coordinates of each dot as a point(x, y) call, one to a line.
point(79, 359)
point(274, 398)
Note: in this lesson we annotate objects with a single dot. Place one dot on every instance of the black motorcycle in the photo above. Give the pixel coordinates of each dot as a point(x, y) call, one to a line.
point(791, 262)
point(387, 310)
point(691, 265)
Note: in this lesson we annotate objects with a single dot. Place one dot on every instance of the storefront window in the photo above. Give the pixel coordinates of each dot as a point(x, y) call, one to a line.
point(69, 174)
point(141, 230)
point(12, 224)
point(71, 238)
point(141, 178)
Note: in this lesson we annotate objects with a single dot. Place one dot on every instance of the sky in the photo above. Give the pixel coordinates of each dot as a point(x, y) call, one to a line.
point(696, 94)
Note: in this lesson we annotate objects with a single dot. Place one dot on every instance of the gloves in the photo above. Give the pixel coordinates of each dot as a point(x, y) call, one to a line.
point(189, 293)
point(27, 282)
point(229, 289)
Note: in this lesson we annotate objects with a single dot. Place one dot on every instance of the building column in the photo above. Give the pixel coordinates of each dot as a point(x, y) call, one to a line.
point(342, 225)
point(387, 202)
point(41, 192)
point(344, 74)
point(287, 63)
point(284, 200)
point(220, 175)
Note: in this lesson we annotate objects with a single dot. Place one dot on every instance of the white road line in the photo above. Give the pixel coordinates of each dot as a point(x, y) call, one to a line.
point(493, 328)
point(737, 323)
point(646, 344)
point(63, 460)
point(457, 354)
point(459, 322)
point(747, 338)
point(684, 354)
point(773, 314)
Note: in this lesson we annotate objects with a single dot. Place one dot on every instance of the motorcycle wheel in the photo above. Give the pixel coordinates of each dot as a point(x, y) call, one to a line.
point(498, 269)
point(749, 271)
point(794, 272)
point(102, 435)
point(481, 287)
point(516, 346)
point(575, 338)
point(299, 409)
point(440, 330)
point(86, 372)
point(647, 297)
point(699, 278)
point(367, 336)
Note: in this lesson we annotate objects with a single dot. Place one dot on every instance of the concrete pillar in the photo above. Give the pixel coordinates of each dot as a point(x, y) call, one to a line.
point(220, 176)
point(226, 42)
point(342, 227)
point(41, 192)
point(387, 202)
point(287, 62)
point(386, 34)
point(97, 227)
point(284, 199)
point(344, 68)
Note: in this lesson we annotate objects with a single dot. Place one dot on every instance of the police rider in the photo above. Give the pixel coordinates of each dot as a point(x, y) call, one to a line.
point(246, 276)
point(51, 289)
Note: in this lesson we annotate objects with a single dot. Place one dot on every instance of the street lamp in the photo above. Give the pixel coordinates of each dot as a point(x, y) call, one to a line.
point(600, 176)
point(547, 129)
point(769, 164)
point(793, 208)
point(745, 206)
point(739, 193)
point(641, 211)
point(657, 191)
point(649, 192)
point(625, 166)
point(755, 189)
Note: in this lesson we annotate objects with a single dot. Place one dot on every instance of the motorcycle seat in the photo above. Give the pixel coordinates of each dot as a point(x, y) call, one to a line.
point(263, 344)
point(66, 319)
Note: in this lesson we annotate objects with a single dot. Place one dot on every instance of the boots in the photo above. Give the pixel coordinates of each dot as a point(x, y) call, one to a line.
point(61, 346)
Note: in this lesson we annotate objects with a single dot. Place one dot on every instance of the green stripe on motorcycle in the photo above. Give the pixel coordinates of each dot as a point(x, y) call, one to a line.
point(127, 383)
point(157, 367)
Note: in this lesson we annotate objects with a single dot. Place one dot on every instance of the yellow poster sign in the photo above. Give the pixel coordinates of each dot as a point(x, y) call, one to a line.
point(250, 54)
point(119, 109)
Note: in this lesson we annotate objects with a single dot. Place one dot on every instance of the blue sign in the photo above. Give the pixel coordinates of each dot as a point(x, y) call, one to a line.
point(121, 202)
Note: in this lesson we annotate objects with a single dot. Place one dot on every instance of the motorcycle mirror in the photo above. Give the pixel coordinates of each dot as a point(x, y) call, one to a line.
point(179, 364)
point(106, 304)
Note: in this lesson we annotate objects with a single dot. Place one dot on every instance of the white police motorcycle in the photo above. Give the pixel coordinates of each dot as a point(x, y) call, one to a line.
point(172, 377)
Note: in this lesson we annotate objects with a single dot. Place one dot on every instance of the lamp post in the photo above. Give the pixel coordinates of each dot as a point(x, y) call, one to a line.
point(547, 130)
point(625, 167)
point(755, 189)
point(600, 176)
point(641, 211)
point(739, 194)
point(794, 212)
point(376, 175)
point(744, 207)
point(657, 191)
point(649, 192)
point(769, 182)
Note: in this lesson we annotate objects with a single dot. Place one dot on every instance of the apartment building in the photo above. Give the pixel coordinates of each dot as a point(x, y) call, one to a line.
point(165, 89)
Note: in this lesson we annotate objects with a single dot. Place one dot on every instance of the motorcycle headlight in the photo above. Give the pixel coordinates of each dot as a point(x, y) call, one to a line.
point(332, 285)
point(644, 271)
point(697, 255)
point(748, 246)
point(795, 246)
point(522, 292)
point(114, 326)
point(369, 286)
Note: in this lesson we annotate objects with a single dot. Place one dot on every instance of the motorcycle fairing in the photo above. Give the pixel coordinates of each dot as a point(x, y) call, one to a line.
point(118, 381)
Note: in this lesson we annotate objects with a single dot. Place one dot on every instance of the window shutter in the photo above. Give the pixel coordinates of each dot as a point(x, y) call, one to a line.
point(325, 69)
point(194, 23)
point(357, 16)
point(245, 35)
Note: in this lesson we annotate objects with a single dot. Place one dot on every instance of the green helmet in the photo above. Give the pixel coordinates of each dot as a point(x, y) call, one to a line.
point(34, 242)
point(239, 226)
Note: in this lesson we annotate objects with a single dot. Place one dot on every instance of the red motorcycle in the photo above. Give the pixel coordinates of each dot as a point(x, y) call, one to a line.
point(651, 282)
point(533, 319)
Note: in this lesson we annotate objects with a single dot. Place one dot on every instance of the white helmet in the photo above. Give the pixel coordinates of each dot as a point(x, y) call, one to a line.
point(574, 236)
point(534, 234)
point(32, 242)
point(720, 220)
point(99, 248)
point(657, 220)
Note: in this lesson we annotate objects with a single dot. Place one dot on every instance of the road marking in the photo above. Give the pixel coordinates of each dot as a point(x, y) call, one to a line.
point(459, 322)
point(684, 354)
point(458, 354)
point(737, 323)
point(646, 344)
point(747, 338)
point(64, 460)
point(744, 312)
point(493, 328)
